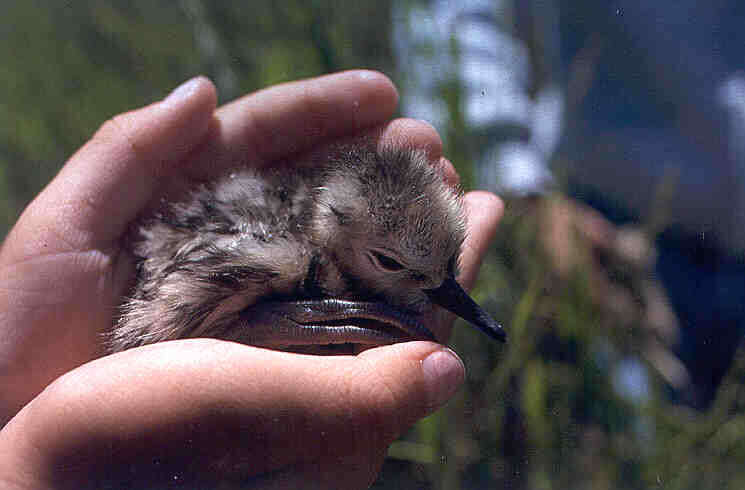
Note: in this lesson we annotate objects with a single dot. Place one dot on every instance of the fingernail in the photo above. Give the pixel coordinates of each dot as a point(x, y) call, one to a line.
point(183, 91)
point(368, 75)
point(444, 372)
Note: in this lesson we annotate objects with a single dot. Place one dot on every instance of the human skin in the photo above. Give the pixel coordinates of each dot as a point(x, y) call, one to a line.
point(200, 409)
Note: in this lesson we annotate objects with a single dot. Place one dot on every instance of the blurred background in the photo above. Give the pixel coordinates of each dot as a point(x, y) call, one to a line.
point(615, 131)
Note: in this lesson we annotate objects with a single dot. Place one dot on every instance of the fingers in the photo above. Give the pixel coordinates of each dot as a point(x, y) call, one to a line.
point(295, 117)
point(411, 134)
point(483, 210)
point(210, 411)
point(110, 180)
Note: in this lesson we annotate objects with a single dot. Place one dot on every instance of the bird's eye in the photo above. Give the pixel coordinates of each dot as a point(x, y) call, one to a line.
point(419, 277)
point(386, 262)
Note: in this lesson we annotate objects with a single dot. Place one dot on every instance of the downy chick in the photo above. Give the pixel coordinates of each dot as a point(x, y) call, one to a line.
point(353, 249)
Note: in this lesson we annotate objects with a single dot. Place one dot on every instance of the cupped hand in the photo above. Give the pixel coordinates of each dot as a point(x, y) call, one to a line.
point(198, 409)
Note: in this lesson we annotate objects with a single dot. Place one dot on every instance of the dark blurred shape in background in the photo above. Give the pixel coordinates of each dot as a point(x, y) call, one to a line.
point(616, 132)
point(660, 138)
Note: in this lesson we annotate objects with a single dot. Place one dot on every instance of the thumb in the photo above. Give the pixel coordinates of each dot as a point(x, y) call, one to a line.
point(410, 380)
point(205, 411)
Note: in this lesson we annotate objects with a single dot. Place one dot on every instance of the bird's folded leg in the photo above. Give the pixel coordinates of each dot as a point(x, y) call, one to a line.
point(327, 321)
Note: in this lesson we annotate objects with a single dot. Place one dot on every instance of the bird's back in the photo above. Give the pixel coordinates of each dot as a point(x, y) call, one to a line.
point(207, 257)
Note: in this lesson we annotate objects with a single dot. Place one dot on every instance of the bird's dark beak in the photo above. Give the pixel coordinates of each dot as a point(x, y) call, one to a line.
point(453, 298)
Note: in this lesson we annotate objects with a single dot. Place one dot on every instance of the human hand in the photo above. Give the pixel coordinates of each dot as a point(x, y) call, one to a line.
point(197, 409)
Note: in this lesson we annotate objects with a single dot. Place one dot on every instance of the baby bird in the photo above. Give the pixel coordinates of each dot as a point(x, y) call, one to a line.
point(355, 249)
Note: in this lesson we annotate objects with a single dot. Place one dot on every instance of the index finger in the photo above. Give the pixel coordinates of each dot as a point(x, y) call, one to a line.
point(111, 179)
point(291, 118)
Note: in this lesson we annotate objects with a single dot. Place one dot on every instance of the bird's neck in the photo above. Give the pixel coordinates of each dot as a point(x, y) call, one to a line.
point(324, 278)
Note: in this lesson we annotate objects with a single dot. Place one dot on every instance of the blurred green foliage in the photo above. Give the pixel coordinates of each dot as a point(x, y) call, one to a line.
point(579, 398)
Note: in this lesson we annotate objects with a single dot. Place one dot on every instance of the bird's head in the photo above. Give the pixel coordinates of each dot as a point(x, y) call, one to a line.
point(395, 228)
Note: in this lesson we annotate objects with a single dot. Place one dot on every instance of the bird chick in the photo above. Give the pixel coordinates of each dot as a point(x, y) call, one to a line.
point(354, 249)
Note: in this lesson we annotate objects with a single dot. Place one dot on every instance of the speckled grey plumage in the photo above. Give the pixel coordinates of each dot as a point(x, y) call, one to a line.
point(279, 257)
